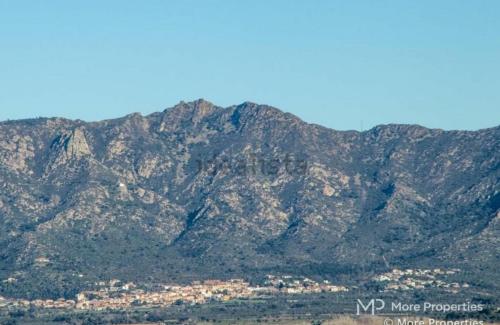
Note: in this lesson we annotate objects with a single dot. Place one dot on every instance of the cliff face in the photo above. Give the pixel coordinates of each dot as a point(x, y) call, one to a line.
point(200, 191)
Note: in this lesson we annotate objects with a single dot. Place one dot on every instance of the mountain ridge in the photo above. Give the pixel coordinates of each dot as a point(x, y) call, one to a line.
point(200, 191)
point(193, 102)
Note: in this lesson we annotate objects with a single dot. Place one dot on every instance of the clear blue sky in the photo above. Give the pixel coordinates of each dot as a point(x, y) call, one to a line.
point(336, 63)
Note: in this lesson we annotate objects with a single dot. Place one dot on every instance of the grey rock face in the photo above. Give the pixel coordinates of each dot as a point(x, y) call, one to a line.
point(200, 191)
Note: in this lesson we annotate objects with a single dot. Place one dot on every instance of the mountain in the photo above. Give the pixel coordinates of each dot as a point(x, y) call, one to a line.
point(200, 191)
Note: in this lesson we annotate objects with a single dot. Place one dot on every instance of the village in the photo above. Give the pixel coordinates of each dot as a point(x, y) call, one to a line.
point(118, 295)
point(410, 279)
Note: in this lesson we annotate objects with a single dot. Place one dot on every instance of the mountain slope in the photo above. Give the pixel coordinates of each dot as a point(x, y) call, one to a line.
point(200, 191)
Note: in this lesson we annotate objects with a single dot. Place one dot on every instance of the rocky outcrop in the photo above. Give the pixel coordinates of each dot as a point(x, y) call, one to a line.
point(69, 145)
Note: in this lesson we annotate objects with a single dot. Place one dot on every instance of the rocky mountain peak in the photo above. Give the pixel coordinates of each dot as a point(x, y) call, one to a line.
point(196, 108)
point(186, 112)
